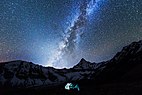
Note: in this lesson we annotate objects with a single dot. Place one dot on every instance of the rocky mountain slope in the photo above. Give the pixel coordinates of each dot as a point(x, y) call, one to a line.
point(26, 74)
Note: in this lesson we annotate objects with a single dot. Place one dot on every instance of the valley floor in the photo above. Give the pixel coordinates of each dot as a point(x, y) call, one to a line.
point(134, 88)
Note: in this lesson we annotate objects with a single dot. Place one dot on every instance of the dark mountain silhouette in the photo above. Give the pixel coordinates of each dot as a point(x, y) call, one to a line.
point(124, 66)
point(122, 75)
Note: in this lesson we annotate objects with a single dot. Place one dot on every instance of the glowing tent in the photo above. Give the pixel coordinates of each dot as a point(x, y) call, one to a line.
point(70, 86)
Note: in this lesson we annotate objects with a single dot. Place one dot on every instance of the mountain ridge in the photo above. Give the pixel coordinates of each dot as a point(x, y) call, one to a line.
point(124, 67)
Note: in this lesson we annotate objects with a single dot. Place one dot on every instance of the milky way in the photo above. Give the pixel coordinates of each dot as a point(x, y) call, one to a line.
point(60, 32)
point(72, 34)
point(67, 45)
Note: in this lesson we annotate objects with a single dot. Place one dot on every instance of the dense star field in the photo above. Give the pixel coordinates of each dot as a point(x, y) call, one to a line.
point(59, 33)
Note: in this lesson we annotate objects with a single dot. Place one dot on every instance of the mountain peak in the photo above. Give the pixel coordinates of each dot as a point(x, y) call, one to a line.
point(83, 64)
point(83, 61)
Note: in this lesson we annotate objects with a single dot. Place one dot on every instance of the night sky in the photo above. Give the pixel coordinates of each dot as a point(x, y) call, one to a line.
point(60, 32)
